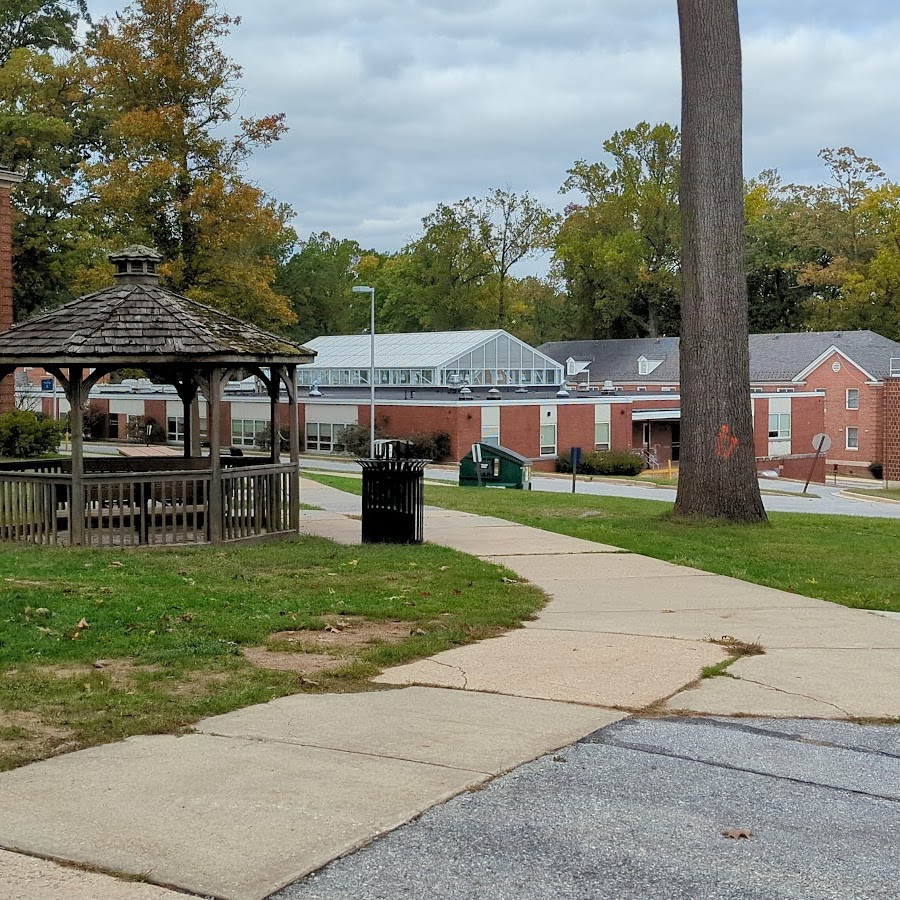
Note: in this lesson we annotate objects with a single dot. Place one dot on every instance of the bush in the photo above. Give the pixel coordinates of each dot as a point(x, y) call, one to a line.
point(22, 435)
point(95, 422)
point(877, 470)
point(436, 446)
point(137, 430)
point(603, 462)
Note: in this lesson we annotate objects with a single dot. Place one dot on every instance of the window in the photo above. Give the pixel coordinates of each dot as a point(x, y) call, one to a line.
point(641, 388)
point(548, 440)
point(175, 427)
point(779, 426)
point(490, 434)
point(570, 367)
point(601, 436)
point(325, 437)
point(853, 438)
point(785, 390)
point(852, 398)
point(244, 431)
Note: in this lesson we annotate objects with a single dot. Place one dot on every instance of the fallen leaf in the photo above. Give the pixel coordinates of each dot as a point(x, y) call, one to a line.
point(332, 629)
point(83, 624)
point(456, 592)
point(115, 564)
point(419, 631)
point(101, 663)
point(409, 603)
point(444, 568)
point(737, 834)
point(44, 630)
point(425, 594)
point(352, 562)
point(510, 581)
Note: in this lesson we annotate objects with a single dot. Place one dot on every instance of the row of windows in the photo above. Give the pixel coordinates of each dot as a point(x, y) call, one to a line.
point(360, 377)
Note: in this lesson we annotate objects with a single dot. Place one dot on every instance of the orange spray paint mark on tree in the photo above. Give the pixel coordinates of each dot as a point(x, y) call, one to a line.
point(726, 443)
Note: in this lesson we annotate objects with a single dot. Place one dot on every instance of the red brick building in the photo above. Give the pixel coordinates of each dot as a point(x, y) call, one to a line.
point(848, 368)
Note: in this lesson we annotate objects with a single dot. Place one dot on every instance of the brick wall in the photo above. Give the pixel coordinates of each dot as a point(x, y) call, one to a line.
point(891, 431)
point(575, 427)
point(7, 385)
point(520, 430)
point(838, 418)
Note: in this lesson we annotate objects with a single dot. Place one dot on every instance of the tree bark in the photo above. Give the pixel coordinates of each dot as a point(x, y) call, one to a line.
point(718, 470)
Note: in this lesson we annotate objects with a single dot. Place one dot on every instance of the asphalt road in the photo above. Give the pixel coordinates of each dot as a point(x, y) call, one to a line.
point(827, 499)
point(642, 809)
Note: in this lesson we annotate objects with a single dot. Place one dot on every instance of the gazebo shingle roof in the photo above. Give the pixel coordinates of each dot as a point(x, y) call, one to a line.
point(139, 321)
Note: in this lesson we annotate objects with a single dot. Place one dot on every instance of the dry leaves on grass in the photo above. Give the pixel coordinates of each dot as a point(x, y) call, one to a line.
point(349, 631)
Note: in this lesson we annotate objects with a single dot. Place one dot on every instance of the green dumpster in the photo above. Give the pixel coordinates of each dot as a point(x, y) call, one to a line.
point(499, 468)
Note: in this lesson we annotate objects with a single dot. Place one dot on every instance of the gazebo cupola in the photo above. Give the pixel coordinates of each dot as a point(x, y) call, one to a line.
point(136, 264)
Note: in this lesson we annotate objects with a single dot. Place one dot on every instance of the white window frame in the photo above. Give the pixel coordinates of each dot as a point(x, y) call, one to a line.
point(854, 392)
point(852, 429)
point(546, 447)
point(643, 366)
point(601, 436)
point(779, 432)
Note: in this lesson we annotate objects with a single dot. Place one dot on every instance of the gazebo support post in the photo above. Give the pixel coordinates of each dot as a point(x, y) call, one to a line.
point(294, 432)
point(274, 387)
point(187, 392)
point(75, 394)
point(213, 392)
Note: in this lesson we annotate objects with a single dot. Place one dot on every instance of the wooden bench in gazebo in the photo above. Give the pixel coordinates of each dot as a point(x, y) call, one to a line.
point(161, 500)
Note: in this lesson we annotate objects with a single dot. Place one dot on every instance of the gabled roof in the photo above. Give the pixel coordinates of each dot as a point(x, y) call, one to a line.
point(773, 357)
point(430, 350)
point(781, 357)
point(132, 323)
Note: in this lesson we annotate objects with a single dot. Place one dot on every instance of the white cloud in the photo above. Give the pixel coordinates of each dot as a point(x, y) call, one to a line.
point(397, 105)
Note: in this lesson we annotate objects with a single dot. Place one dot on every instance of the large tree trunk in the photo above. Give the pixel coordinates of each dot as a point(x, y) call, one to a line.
point(718, 471)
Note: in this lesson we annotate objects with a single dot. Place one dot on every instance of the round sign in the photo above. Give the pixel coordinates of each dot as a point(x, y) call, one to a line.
point(821, 442)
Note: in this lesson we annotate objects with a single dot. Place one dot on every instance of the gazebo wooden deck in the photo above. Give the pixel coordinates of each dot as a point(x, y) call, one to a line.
point(161, 500)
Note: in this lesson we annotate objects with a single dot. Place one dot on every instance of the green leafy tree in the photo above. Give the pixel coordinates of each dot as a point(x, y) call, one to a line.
point(775, 257)
point(47, 128)
point(511, 229)
point(318, 279)
point(618, 251)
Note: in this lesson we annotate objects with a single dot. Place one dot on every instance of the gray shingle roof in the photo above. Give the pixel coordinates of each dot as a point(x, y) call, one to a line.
point(773, 357)
point(617, 360)
point(142, 322)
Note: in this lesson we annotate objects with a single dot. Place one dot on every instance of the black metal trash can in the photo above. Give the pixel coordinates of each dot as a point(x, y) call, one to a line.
point(393, 501)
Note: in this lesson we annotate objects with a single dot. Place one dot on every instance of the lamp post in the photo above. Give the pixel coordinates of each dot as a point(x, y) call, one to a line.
point(363, 289)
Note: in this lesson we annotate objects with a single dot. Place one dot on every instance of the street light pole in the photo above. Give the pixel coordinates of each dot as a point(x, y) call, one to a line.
point(363, 289)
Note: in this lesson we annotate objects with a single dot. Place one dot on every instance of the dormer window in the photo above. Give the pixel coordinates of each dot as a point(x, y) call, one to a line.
point(647, 366)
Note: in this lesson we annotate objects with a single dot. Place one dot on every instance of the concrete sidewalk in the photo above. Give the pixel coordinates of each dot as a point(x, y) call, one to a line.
point(255, 799)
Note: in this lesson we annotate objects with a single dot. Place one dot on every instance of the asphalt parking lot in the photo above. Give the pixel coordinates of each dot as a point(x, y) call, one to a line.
point(726, 809)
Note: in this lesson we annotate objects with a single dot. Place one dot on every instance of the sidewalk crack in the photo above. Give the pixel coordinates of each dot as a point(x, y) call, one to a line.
point(459, 669)
point(795, 694)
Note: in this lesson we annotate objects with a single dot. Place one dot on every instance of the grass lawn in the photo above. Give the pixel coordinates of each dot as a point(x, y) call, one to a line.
point(97, 645)
point(890, 493)
point(848, 560)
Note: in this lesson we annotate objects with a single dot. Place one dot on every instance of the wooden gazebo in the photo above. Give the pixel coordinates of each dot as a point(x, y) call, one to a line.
point(156, 500)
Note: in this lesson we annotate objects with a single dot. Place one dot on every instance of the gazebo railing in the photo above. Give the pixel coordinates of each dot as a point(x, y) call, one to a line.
point(34, 506)
point(146, 508)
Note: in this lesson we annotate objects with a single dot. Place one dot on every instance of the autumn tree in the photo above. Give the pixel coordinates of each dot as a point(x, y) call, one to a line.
point(39, 25)
point(618, 249)
point(169, 173)
point(718, 470)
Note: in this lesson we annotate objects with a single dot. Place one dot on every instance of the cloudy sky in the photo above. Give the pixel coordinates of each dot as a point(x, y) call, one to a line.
point(397, 105)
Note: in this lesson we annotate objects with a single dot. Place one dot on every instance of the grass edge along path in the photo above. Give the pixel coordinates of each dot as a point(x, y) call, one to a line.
point(852, 561)
point(98, 645)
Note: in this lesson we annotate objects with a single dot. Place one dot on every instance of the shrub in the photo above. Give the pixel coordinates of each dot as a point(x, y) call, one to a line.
point(436, 446)
point(137, 430)
point(603, 462)
point(877, 470)
point(22, 435)
point(95, 422)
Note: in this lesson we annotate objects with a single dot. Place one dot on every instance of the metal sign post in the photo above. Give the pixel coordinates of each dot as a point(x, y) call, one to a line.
point(476, 459)
point(575, 460)
point(821, 444)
